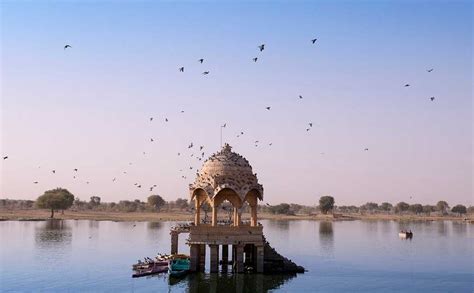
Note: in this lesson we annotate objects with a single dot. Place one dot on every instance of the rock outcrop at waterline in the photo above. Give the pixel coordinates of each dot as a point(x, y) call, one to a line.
point(275, 263)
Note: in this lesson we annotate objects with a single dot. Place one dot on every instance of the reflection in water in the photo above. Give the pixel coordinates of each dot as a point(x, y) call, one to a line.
point(155, 225)
point(94, 224)
point(406, 226)
point(60, 256)
point(53, 233)
point(281, 225)
point(326, 237)
point(442, 228)
point(459, 228)
point(232, 283)
point(372, 227)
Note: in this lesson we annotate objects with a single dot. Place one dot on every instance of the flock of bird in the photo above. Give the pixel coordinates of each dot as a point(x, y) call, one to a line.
point(200, 153)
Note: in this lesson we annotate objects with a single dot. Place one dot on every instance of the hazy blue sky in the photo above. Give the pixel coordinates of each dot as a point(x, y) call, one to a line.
point(88, 107)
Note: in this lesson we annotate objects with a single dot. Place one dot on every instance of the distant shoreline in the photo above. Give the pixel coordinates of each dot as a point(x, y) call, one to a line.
point(40, 215)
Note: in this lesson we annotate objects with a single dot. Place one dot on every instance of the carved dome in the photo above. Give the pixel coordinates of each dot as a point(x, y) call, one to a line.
point(226, 170)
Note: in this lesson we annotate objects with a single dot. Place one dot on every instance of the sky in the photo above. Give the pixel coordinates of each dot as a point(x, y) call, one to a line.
point(88, 107)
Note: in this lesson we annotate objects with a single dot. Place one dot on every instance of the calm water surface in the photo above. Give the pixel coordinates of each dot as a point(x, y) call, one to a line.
point(93, 256)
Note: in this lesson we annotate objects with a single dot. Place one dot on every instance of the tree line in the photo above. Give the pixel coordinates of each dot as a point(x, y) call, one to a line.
point(61, 199)
point(327, 205)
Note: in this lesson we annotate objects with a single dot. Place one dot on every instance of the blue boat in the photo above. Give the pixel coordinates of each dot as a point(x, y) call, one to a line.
point(178, 267)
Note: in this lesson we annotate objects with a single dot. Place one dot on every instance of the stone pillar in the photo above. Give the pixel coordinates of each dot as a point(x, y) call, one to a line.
point(260, 259)
point(214, 216)
point(202, 257)
point(238, 218)
point(225, 258)
point(235, 216)
point(214, 258)
point(239, 254)
point(197, 214)
point(253, 219)
point(194, 254)
point(174, 242)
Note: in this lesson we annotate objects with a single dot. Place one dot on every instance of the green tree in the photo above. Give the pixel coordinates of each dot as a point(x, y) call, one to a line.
point(427, 209)
point(402, 207)
point(95, 201)
point(156, 201)
point(470, 210)
point(442, 206)
point(386, 206)
point(326, 204)
point(55, 199)
point(370, 206)
point(460, 209)
point(281, 209)
point(416, 208)
point(181, 203)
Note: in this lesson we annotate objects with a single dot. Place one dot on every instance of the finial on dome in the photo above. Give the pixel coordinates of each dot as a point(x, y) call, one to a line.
point(226, 148)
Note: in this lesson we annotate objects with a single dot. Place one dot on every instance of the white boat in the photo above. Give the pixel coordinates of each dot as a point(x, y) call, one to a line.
point(405, 234)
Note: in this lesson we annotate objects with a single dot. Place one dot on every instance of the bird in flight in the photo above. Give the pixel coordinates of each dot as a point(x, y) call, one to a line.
point(190, 145)
point(307, 129)
point(314, 41)
point(407, 85)
point(151, 118)
point(67, 46)
point(181, 69)
point(310, 124)
point(6, 157)
point(54, 171)
point(166, 119)
point(75, 170)
point(261, 47)
point(255, 59)
point(201, 147)
point(113, 180)
point(270, 144)
point(432, 98)
point(36, 182)
point(301, 97)
point(225, 124)
point(201, 60)
point(205, 73)
point(429, 70)
point(366, 149)
point(152, 140)
point(268, 108)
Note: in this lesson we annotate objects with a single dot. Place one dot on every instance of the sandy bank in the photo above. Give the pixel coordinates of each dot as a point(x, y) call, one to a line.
point(32, 215)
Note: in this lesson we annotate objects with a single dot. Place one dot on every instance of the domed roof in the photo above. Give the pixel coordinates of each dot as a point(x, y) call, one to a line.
point(226, 169)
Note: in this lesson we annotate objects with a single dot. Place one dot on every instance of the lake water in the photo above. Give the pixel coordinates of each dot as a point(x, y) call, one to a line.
point(96, 256)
